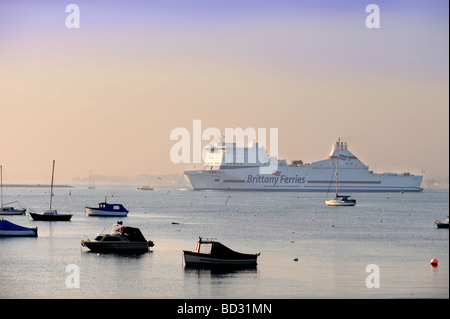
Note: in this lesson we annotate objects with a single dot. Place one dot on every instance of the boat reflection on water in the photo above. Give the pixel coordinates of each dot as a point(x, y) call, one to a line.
point(219, 270)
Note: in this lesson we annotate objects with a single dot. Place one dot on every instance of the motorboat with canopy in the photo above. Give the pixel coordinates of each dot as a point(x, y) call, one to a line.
point(211, 252)
point(124, 239)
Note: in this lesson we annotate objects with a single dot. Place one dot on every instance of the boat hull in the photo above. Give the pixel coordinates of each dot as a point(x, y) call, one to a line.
point(55, 217)
point(119, 247)
point(301, 179)
point(12, 211)
point(338, 202)
point(92, 211)
point(10, 229)
point(193, 258)
point(31, 232)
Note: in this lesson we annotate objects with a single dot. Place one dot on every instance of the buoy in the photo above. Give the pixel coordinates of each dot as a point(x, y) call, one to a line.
point(434, 262)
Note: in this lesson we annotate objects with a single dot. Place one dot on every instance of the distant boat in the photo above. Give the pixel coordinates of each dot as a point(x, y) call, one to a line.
point(440, 224)
point(123, 239)
point(144, 188)
point(106, 209)
point(10, 229)
point(51, 214)
point(340, 200)
point(8, 210)
point(91, 181)
point(210, 252)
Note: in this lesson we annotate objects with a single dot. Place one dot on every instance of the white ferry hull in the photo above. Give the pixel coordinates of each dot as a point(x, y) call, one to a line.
point(297, 179)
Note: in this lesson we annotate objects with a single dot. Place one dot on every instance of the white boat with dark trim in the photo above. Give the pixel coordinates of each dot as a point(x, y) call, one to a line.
point(107, 209)
point(228, 167)
point(210, 252)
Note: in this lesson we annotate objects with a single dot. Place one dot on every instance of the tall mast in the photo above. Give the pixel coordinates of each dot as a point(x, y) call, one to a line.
point(337, 161)
point(51, 187)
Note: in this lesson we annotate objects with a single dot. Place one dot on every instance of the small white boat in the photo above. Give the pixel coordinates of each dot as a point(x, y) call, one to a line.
point(144, 188)
point(10, 229)
point(209, 252)
point(123, 239)
point(5, 210)
point(341, 200)
point(106, 209)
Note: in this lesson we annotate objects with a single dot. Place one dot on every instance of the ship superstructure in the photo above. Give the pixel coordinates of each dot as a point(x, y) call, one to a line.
point(228, 167)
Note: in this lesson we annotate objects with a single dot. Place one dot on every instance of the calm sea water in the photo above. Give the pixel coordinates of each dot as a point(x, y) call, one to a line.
point(334, 245)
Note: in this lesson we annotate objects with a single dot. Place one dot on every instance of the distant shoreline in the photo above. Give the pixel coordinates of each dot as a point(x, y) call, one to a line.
point(37, 185)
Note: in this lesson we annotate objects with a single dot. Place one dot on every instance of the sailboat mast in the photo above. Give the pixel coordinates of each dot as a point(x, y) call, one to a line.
point(337, 161)
point(51, 187)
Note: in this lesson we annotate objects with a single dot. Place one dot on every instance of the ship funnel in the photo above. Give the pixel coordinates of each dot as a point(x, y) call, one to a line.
point(340, 146)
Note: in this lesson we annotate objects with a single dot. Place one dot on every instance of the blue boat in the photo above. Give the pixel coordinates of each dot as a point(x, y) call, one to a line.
point(10, 229)
point(106, 209)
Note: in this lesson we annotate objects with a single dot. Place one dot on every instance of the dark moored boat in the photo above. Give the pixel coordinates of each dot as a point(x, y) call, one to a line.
point(209, 252)
point(123, 239)
point(50, 215)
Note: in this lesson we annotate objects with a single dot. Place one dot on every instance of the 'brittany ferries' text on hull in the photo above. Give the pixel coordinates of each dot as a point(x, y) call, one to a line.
point(219, 173)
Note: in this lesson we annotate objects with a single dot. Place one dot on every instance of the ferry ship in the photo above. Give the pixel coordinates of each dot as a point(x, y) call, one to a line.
point(228, 167)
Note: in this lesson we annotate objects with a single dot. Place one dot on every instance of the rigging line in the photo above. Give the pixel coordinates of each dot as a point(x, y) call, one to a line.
point(331, 180)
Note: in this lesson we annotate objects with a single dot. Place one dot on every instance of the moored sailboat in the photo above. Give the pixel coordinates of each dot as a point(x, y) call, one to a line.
point(340, 200)
point(91, 181)
point(51, 214)
point(8, 210)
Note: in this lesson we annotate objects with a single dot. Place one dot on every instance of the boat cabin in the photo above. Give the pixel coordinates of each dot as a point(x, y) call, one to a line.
point(214, 248)
point(112, 207)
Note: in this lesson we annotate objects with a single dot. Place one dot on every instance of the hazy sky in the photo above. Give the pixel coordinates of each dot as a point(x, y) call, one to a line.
point(107, 95)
